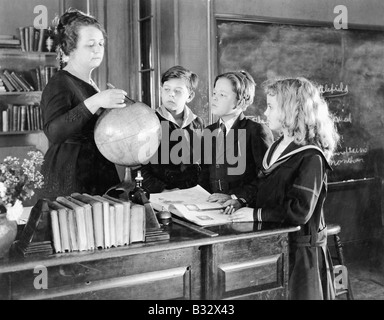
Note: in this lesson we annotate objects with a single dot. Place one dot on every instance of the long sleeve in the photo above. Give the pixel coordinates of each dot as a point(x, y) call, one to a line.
point(261, 139)
point(301, 196)
point(61, 118)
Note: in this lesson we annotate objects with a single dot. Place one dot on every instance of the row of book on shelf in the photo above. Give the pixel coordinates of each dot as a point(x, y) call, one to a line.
point(21, 118)
point(82, 222)
point(30, 39)
point(12, 81)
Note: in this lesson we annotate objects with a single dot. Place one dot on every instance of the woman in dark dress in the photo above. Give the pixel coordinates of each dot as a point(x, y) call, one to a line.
point(71, 104)
point(293, 182)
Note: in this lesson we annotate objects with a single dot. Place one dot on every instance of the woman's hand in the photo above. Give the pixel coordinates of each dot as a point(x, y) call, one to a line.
point(108, 99)
point(242, 215)
point(219, 197)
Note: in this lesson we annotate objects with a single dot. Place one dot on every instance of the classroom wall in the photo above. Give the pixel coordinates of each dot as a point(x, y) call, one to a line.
point(195, 23)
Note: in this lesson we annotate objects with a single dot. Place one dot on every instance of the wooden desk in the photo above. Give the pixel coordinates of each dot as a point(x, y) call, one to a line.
point(246, 261)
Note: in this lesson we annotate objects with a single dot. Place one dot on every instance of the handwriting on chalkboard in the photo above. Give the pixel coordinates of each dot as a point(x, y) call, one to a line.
point(347, 64)
point(333, 90)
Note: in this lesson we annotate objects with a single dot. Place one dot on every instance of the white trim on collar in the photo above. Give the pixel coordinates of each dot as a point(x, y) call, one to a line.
point(289, 154)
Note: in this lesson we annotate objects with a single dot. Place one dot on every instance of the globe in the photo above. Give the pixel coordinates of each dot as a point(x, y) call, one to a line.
point(128, 136)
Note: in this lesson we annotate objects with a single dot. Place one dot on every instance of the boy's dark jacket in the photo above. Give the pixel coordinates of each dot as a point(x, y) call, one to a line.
point(159, 175)
point(252, 139)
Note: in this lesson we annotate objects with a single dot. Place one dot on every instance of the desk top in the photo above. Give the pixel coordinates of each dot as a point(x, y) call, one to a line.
point(180, 237)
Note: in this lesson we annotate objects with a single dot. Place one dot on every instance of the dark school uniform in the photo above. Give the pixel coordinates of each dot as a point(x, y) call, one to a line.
point(247, 140)
point(72, 162)
point(293, 190)
point(179, 168)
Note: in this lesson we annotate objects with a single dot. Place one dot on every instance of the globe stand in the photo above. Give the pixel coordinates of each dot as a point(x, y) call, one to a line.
point(153, 230)
point(122, 189)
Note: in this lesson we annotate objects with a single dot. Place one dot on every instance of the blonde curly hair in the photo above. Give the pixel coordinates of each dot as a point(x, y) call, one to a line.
point(304, 113)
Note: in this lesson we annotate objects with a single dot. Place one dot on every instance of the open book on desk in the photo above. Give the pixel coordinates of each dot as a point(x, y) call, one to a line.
point(190, 204)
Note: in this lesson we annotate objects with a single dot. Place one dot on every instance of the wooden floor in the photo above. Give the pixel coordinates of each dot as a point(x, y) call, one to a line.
point(367, 281)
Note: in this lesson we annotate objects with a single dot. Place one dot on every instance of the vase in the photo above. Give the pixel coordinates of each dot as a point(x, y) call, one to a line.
point(8, 232)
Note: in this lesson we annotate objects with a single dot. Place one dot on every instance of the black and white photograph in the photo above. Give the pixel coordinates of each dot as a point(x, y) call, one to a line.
point(191, 156)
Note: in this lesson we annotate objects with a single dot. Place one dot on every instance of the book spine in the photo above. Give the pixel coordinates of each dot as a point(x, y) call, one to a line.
point(112, 225)
point(26, 38)
point(18, 80)
point(5, 121)
point(64, 231)
point(72, 231)
point(10, 116)
point(23, 120)
point(26, 83)
point(29, 127)
point(42, 34)
point(22, 38)
point(8, 84)
point(55, 231)
point(15, 118)
point(31, 35)
point(36, 39)
point(11, 80)
point(35, 117)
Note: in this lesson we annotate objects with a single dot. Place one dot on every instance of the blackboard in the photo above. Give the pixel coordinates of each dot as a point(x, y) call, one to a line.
point(348, 64)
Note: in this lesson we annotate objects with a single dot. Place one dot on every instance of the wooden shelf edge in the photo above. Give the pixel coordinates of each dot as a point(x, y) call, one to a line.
point(11, 133)
point(18, 93)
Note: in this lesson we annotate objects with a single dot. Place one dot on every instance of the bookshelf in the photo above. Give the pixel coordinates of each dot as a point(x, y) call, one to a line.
point(24, 63)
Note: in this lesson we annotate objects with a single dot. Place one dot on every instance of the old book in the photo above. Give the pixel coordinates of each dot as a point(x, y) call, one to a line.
point(23, 116)
point(191, 204)
point(73, 230)
point(31, 35)
point(137, 223)
point(15, 117)
point(41, 42)
point(106, 219)
point(88, 221)
point(7, 83)
point(80, 223)
point(35, 117)
point(30, 112)
point(22, 38)
point(119, 221)
point(25, 81)
point(97, 215)
point(5, 121)
point(29, 125)
point(55, 229)
point(63, 224)
point(13, 81)
point(126, 219)
point(20, 82)
point(36, 39)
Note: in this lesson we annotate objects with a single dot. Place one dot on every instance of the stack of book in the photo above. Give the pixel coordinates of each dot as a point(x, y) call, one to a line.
point(2, 87)
point(15, 81)
point(21, 118)
point(9, 42)
point(38, 77)
point(32, 39)
point(82, 222)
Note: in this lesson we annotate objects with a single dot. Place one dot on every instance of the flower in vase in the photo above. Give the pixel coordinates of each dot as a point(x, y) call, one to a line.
point(18, 182)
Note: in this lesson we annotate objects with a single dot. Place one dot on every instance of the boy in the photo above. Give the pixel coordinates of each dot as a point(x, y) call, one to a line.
point(244, 138)
point(168, 169)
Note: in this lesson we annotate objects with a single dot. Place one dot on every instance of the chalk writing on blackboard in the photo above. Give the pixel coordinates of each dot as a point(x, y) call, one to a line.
point(333, 90)
point(348, 64)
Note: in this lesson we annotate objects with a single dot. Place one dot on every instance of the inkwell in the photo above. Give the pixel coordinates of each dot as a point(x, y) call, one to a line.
point(141, 196)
